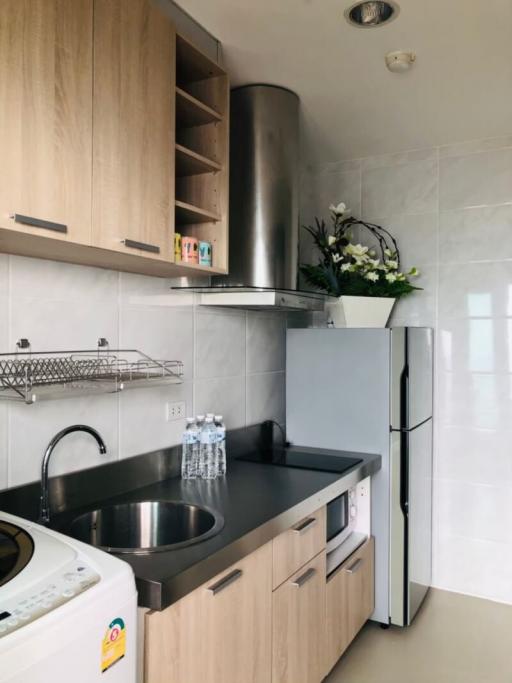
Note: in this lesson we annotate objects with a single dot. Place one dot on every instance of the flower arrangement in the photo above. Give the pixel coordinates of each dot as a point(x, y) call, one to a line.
point(347, 269)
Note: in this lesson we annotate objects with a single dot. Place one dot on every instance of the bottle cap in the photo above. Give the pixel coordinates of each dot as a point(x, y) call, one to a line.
point(218, 418)
point(200, 418)
point(209, 418)
point(191, 419)
point(209, 414)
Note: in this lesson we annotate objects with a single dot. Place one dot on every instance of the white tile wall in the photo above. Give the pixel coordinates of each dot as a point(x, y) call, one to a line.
point(61, 306)
point(451, 210)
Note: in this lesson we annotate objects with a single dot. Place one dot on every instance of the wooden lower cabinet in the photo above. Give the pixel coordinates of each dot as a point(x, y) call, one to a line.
point(349, 601)
point(220, 633)
point(298, 626)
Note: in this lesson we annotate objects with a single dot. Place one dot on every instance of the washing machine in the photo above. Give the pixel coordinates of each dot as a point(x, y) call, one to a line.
point(68, 612)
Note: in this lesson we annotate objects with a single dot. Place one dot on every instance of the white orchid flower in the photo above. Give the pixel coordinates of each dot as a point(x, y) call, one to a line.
point(388, 253)
point(331, 240)
point(390, 277)
point(345, 267)
point(356, 250)
point(336, 258)
point(392, 265)
point(374, 263)
point(372, 276)
point(339, 209)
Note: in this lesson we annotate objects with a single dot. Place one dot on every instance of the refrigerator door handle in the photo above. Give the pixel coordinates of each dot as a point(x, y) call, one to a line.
point(407, 431)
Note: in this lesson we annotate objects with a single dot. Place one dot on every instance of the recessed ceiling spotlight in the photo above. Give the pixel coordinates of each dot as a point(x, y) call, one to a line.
point(372, 13)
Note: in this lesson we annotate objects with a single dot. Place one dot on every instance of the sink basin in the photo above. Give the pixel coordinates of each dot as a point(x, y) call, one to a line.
point(146, 527)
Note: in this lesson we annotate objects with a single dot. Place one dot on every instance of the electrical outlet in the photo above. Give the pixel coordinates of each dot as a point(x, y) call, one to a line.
point(176, 411)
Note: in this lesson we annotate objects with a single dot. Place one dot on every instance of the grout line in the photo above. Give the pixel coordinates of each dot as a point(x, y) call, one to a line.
point(118, 396)
point(9, 406)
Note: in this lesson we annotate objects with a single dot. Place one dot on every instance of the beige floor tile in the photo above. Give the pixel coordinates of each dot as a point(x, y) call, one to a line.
point(454, 639)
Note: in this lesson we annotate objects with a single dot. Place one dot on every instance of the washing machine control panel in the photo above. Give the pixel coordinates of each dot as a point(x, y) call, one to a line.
point(55, 590)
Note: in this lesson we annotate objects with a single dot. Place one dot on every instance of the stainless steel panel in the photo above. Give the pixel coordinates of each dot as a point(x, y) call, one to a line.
point(264, 165)
point(397, 539)
point(419, 509)
point(420, 352)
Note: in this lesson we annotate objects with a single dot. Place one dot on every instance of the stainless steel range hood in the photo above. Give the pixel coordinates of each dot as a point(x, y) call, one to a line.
point(264, 201)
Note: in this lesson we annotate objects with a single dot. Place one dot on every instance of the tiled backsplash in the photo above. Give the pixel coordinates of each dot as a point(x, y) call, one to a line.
point(234, 361)
point(451, 210)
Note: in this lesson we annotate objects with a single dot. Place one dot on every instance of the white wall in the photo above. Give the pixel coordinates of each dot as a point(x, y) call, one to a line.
point(234, 361)
point(451, 210)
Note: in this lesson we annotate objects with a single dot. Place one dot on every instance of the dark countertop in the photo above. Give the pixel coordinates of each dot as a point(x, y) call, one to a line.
point(257, 502)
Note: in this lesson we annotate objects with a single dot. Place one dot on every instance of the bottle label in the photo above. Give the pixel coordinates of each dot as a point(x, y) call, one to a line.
point(208, 437)
point(189, 438)
point(221, 433)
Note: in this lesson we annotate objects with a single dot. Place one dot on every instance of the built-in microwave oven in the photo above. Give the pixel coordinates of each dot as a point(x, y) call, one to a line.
point(343, 536)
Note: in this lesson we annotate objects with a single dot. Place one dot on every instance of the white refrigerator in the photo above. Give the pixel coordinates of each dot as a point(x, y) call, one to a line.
point(371, 391)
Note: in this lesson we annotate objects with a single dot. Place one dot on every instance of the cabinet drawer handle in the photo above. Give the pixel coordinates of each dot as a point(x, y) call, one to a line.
point(306, 524)
point(39, 223)
point(354, 567)
point(133, 244)
point(225, 582)
point(304, 578)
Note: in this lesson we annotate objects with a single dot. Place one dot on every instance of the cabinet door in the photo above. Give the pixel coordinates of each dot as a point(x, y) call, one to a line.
point(298, 626)
point(349, 601)
point(46, 117)
point(133, 141)
point(220, 633)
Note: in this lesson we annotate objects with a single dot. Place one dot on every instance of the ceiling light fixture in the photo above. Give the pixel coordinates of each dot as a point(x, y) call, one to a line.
point(372, 13)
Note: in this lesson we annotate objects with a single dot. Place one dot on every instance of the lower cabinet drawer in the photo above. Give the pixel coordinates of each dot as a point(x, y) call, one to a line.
point(349, 601)
point(298, 626)
point(293, 548)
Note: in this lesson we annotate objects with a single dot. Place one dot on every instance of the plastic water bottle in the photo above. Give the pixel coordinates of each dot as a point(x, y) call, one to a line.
point(190, 450)
point(208, 440)
point(221, 445)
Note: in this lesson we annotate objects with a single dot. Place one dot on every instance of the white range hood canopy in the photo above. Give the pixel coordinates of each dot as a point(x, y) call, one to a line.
point(258, 298)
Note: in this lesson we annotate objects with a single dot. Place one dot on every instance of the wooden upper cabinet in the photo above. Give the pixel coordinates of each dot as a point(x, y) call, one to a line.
point(46, 117)
point(134, 128)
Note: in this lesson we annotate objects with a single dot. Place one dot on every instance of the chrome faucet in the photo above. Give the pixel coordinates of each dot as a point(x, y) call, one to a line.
point(44, 510)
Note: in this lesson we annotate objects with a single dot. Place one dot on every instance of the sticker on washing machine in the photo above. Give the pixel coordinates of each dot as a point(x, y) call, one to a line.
point(113, 647)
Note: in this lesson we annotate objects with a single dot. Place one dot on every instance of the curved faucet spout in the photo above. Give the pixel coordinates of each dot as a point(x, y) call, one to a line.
point(44, 512)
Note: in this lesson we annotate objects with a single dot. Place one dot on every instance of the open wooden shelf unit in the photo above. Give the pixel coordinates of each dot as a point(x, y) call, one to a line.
point(202, 150)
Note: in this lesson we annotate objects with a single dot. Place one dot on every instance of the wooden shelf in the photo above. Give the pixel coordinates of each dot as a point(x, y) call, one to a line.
point(192, 112)
point(190, 214)
point(195, 267)
point(193, 65)
point(189, 163)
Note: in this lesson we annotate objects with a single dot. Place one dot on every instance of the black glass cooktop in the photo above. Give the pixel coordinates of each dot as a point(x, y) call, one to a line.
point(288, 457)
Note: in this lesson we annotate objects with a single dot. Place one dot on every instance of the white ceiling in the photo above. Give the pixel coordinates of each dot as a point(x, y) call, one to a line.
point(459, 89)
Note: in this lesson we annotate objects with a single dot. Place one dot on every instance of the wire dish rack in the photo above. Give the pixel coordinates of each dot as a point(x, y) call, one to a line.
point(30, 377)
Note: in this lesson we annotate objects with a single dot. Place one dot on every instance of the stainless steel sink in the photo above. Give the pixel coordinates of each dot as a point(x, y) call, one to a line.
point(146, 527)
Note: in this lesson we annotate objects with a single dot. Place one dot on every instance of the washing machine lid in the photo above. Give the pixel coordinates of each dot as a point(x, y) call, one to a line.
point(16, 550)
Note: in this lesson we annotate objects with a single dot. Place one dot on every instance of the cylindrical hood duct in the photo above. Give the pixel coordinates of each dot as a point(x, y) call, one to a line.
point(264, 176)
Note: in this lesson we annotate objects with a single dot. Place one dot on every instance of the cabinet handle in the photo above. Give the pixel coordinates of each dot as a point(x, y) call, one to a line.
point(306, 524)
point(38, 223)
point(304, 578)
point(225, 582)
point(354, 567)
point(133, 244)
